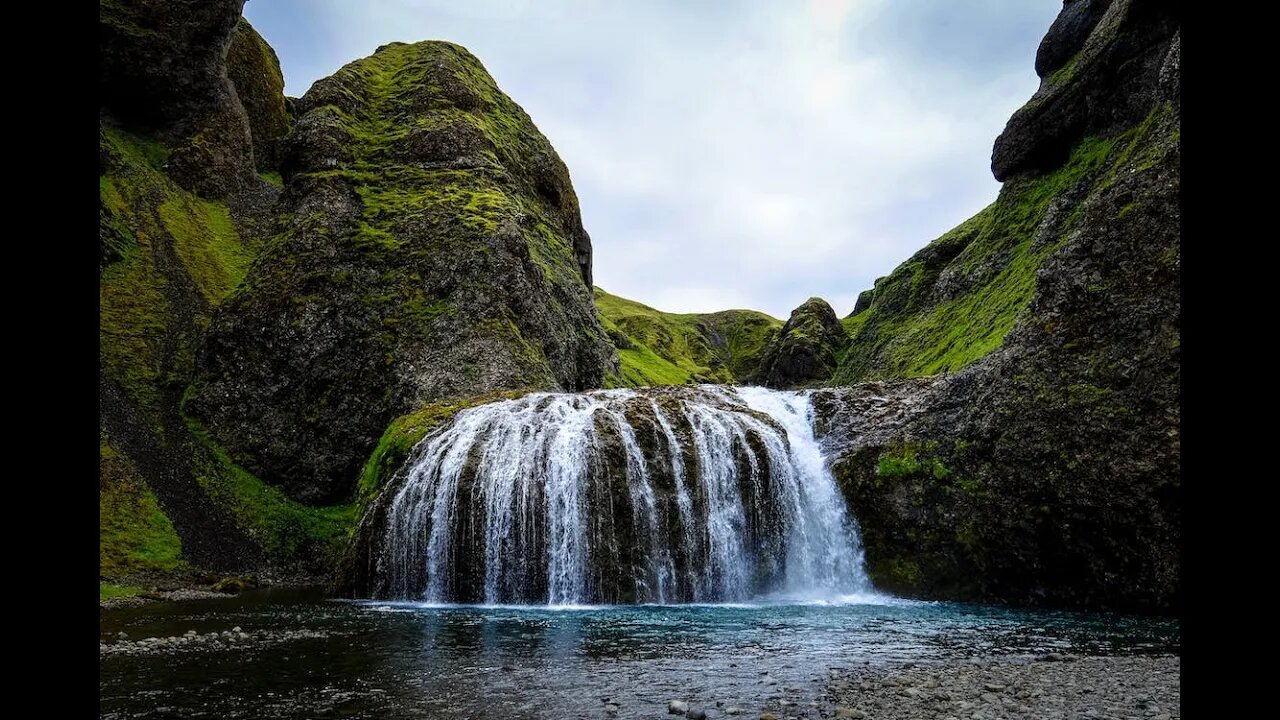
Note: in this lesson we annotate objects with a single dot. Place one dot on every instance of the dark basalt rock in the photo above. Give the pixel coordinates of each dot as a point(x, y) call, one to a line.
point(1067, 33)
point(429, 248)
point(1109, 83)
point(805, 351)
point(162, 71)
point(864, 301)
point(254, 71)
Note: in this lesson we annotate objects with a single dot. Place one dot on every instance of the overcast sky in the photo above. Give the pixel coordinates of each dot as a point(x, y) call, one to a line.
point(730, 154)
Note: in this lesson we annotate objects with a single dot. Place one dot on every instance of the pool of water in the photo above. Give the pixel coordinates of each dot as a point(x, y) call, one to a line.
point(297, 655)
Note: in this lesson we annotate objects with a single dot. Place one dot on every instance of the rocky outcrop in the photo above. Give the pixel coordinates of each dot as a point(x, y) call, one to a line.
point(1099, 67)
point(173, 506)
point(1047, 469)
point(162, 72)
point(254, 71)
point(863, 302)
point(430, 247)
point(807, 348)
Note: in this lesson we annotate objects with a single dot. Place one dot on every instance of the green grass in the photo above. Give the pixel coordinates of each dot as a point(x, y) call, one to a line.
point(142, 344)
point(206, 243)
point(135, 537)
point(659, 348)
point(108, 591)
point(285, 529)
point(906, 332)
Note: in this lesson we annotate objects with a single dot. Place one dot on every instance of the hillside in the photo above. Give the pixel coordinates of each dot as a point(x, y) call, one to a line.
point(659, 348)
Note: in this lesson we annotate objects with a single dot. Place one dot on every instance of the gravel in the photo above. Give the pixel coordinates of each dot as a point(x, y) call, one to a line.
point(1119, 688)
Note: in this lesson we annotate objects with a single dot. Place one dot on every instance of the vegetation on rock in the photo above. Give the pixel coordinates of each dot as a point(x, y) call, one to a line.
point(1046, 469)
point(659, 348)
point(429, 248)
point(807, 348)
point(254, 71)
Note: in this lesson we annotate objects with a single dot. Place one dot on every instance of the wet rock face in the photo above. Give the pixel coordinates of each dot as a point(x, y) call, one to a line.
point(429, 247)
point(162, 70)
point(672, 494)
point(805, 351)
point(1101, 65)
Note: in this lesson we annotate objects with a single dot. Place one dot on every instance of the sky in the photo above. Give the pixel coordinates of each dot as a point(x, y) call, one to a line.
point(733, 154)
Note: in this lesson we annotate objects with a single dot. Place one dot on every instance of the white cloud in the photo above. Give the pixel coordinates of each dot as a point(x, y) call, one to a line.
point(744, 155)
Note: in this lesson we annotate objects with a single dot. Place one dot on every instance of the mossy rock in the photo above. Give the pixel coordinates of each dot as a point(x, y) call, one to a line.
point(231, 586)
point(429, 249)
point(806, 349)
point(254, 71)
point(162, 73)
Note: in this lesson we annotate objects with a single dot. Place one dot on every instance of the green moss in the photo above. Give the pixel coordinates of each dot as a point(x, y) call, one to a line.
point(146, 312)
point(1064, 74)
point(206, 243)
point(273, 177)
point(895, 572)
point(658, 348)
point(108, 591)
point(993, 258)
point(898, 464)
point(286, 530)
point(907, 459)
point(406, 431)
point(135, 537)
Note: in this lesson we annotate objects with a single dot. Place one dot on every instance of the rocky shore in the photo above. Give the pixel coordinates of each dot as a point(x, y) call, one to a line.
point(1053, 686)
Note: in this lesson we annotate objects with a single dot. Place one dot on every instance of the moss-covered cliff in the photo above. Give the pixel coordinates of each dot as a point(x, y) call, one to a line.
point(172, 507)
point(254, 71)
point(1047, 469)
point(956, 300)
point(428, 248)
point(658, 348)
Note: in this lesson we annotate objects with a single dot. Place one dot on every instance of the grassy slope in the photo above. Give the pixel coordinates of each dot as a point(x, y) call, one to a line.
point(170, 258)
point(658, 348)
point(135, 537)
point(148, 223)
point(911, 329)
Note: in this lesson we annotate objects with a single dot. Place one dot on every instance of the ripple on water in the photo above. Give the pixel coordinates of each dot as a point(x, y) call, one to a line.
point(404, 659)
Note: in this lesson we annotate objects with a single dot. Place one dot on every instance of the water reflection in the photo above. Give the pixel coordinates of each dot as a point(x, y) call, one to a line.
point(403, 660)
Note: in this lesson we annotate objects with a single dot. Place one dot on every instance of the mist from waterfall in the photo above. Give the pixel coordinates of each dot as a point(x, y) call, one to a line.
point(663, 495)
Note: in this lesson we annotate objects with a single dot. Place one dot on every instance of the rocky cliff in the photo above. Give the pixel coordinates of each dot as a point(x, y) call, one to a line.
point(275, 290)
point(292, 294)
point(1047, 470)
point(177, 235)
point(428, 247)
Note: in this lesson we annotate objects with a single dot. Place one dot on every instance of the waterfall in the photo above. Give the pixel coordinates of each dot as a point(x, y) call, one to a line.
point(660, 495)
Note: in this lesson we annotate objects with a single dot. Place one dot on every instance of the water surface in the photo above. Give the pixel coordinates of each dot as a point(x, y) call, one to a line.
point(308, 657)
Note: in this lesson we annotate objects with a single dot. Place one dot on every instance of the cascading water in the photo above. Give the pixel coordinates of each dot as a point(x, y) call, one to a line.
point(662, 495)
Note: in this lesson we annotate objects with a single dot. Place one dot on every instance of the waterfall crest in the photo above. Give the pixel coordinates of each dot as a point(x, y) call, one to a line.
point(660, 495)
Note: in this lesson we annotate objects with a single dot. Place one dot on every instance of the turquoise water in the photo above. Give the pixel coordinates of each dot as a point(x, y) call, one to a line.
point(306, 657)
